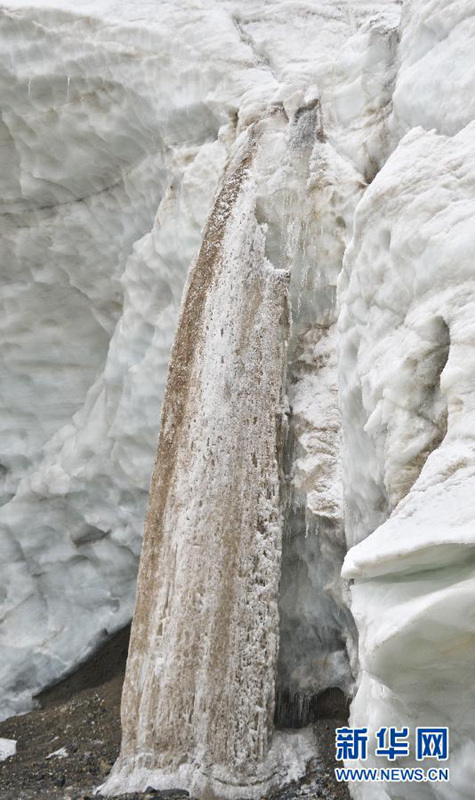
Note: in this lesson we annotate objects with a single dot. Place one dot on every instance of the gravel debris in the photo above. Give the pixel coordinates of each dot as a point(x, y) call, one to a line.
point(81, 716)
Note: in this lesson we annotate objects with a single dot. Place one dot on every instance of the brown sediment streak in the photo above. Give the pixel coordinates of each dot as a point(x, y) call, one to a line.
point(185, 348)
point(173, 430)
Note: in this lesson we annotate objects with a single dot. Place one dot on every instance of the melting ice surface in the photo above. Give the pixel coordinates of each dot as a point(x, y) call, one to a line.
point(116, 146)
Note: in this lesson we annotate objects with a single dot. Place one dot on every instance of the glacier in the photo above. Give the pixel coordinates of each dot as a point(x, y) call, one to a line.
point(346, 247)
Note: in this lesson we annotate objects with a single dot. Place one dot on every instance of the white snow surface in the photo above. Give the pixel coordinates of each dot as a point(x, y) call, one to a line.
point(407, 347)
point(411, 293)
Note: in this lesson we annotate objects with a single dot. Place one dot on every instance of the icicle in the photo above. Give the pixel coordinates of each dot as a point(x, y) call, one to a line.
point(199, 694)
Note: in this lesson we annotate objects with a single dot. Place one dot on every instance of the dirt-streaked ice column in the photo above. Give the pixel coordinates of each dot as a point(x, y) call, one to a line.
point(198, 699)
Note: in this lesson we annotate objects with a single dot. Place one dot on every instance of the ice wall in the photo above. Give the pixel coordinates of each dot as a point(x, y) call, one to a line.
point(406, 361)
point(334, 147)
point(102, 175)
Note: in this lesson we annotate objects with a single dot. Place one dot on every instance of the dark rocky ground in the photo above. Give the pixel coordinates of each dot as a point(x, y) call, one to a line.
point(81, 714)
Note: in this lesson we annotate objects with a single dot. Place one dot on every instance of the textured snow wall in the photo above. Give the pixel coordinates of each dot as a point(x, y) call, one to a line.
point(93, 281)
point(198, 698)
point(114, 139)
point(407, 352)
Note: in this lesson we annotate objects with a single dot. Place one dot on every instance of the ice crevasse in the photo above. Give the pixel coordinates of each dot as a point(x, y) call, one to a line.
point(329, 148)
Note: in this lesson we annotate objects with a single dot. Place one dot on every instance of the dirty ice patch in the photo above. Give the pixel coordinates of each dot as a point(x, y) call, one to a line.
point(61, 753)
point(7, 748)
